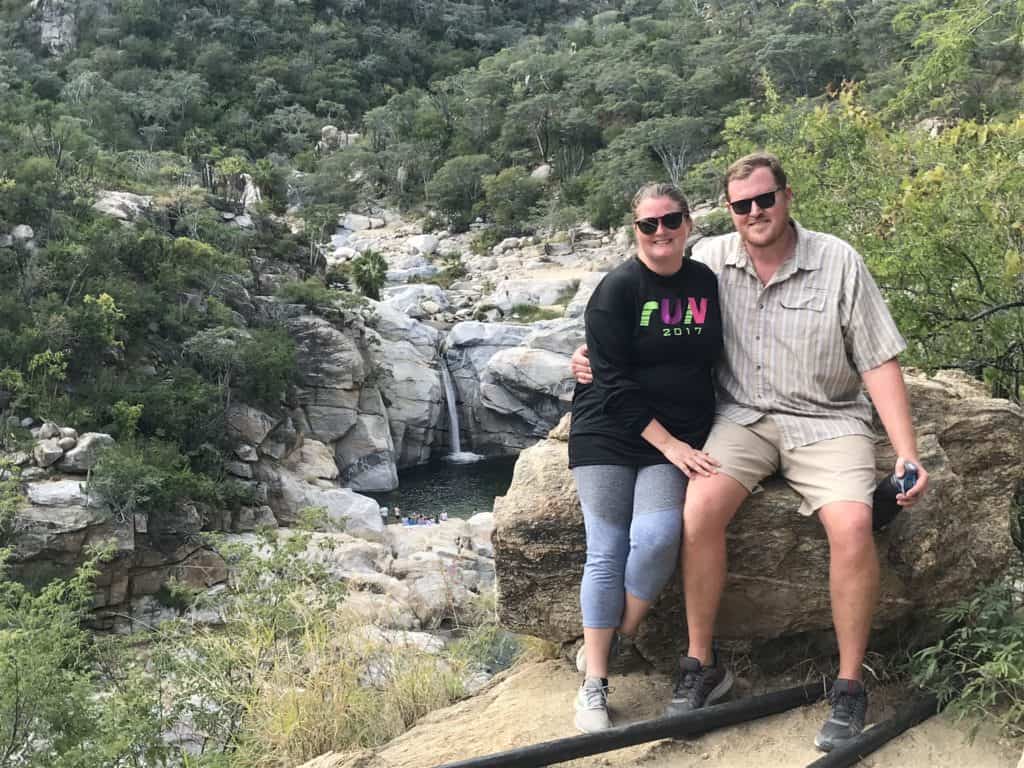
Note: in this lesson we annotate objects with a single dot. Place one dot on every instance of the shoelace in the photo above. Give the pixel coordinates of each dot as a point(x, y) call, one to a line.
point(846, 707)
point(690, 685)
point(596, 697)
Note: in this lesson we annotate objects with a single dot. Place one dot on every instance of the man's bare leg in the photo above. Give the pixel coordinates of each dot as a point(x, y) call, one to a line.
point(853, 580)
point(711, 502)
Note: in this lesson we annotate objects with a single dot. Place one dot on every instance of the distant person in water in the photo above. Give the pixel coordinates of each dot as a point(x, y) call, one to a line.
point(654, 331)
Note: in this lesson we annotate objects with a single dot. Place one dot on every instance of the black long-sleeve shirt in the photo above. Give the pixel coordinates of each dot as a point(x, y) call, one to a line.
point(653, 342)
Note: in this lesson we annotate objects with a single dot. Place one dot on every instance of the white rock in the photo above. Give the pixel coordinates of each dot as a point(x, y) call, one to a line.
point(84, 455)
point(357, 222)
point(313, 460)
point(346, 510)
point(535, 292)
point(238, 469)
point(48, 430)
point(123, 206)
point(47, 452)
point(380, 610)
point(59, 493)
point(422, 244)
point(246, 452)
point(249, 423)
point(410, 298)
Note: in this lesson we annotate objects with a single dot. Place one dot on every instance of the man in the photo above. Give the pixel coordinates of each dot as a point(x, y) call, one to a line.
point(805, 327)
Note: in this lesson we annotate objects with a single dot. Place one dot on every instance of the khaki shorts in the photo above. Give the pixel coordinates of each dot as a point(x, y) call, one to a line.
point(838, 469)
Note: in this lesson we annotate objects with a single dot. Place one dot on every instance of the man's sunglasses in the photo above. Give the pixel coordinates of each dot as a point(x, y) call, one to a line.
point(670, 221)
point(764, 200)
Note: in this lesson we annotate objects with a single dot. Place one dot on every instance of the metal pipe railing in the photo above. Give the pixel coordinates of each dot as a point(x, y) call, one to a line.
point(917, 711)
point(690, 724)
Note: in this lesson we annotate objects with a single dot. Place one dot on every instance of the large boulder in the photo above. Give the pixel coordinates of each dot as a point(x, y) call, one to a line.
point(326, 357)
point(408, 351)
point(85, 454)
point(60, 519)
point(124, 206)
point(956, 538)
point(366, 455)
point(58, 26)
point(346, 510)
point(469, 348)
point(539, 291)
point(415, 299)
point(513, 382)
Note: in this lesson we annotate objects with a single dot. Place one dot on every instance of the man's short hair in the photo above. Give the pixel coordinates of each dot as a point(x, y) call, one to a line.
point(746, 165)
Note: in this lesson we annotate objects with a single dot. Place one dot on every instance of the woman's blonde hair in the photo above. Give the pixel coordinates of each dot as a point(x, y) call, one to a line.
point(655, 189)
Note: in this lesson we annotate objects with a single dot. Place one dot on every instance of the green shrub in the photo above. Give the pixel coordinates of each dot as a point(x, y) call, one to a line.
point(147, 476)
point(485, 240)
point(977, 668)
point(453, 269)
point(267, 365)
point(530, 313)
point(312, 292)
point(56, 708)
point(180, 407)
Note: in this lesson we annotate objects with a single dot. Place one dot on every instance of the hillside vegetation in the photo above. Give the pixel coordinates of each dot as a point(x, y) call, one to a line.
point(901, 123)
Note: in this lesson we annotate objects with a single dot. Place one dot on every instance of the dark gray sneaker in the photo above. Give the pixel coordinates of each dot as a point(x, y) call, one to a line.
point(849, 708)
point(698, 686)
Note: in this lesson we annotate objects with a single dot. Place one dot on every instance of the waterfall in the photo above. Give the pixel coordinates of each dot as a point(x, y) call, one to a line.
point(454, 441)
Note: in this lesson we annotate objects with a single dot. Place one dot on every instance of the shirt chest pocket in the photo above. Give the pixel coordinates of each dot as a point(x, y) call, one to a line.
point(803, 315)
point(804, 300)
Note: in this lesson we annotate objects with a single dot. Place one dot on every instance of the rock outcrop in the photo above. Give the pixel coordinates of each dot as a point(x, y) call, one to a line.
point(513, 381)
point(956, 538)
point(58, 26)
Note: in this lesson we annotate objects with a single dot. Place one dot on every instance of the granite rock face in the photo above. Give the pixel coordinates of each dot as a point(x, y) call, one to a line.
point(513, 381)
point(956, 538)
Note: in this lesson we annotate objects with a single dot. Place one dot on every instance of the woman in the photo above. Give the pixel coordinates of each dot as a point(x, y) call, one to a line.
point(654, 332)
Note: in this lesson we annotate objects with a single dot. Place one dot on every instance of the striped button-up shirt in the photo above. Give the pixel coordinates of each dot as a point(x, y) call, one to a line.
point(796, 347)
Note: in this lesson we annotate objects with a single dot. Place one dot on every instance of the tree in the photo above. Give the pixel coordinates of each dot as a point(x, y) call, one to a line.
point(510, 197)
point(679, 142)
point(458, 186)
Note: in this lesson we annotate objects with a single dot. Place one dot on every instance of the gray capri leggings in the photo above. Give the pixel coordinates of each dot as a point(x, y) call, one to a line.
point(633, 517)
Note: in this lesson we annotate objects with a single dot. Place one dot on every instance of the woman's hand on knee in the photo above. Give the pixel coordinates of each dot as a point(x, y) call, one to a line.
point(691, 460)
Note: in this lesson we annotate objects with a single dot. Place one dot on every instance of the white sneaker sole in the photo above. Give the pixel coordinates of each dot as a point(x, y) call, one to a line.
point(582, 729)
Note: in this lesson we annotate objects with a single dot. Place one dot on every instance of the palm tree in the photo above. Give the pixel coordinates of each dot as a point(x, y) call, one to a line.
point(369, 271)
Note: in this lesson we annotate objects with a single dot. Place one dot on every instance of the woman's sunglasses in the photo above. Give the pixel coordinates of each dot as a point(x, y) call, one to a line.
point(670, 221)
point(764, 200)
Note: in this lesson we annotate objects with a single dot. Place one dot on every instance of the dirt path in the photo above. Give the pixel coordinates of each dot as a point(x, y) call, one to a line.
point(534, 703)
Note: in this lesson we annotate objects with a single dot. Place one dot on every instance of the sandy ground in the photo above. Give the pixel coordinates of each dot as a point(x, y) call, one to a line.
point(533, 703)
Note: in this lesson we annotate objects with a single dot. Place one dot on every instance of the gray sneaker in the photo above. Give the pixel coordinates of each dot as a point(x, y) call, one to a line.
point(698, 686)
point(618, 642)
point(849, 708)
point(592, 705)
